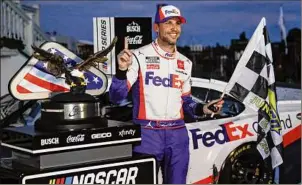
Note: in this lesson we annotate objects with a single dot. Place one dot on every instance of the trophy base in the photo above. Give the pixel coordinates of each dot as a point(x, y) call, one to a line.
point(70, 111)
point(52, 126)
point(72, 97)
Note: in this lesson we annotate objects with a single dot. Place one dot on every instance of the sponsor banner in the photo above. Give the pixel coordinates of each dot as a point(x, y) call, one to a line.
point(87, 137)
point(142, 171)
point(138, 31)
point(38, 142)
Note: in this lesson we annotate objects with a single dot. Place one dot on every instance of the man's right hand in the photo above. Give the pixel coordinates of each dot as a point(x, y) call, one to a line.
point(124, 57)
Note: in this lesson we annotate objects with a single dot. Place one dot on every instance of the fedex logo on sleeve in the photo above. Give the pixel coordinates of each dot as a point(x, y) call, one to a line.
point(227, 133)
point(171, 81)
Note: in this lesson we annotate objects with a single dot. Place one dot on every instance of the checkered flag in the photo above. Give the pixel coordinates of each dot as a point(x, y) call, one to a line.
point(253, 83)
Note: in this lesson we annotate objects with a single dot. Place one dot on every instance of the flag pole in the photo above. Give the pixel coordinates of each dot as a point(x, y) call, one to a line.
point(222, 95)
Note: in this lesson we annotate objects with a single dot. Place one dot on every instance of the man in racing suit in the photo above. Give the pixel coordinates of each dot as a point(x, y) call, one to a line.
point(160, 80)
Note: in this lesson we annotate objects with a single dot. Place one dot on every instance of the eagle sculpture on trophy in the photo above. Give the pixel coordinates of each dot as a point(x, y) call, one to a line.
point(76, 109)
point(74, 76)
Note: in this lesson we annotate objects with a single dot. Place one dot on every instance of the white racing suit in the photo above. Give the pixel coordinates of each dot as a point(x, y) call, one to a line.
point(161, 91)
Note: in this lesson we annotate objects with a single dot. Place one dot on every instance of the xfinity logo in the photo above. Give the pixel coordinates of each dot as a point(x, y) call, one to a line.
point(119, 176)
point(101, 135)
point(75, 139)
point(50, 141)
point(133, 27)
point(126, 132)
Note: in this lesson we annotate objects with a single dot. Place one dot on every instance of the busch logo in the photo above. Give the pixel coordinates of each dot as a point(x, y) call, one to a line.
point(101, 135)
point(133, 27)
point(226, 133)
point(126, 132)
point(50, 141)
point(173, 80)
point(171, 11)
point(75, 139)
point(138, 39)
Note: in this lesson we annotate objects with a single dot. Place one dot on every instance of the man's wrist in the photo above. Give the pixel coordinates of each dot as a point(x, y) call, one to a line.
point(121, 74)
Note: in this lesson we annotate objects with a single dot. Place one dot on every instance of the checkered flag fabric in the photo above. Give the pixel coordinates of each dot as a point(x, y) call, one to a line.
point(253, 83)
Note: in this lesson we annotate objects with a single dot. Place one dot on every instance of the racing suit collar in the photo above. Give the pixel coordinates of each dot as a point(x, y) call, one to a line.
point(163, 53)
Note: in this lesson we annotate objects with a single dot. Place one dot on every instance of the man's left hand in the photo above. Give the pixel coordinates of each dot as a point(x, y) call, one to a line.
point(217, 104)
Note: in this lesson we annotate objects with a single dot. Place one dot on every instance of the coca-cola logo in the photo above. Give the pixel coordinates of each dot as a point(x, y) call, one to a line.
point(138, 39)
point(75, 139)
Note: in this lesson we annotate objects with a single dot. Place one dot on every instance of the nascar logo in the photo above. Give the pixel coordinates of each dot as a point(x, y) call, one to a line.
point(121, 176)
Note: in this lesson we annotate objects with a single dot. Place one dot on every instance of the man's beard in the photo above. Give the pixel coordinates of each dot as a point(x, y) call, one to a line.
point(171, 43)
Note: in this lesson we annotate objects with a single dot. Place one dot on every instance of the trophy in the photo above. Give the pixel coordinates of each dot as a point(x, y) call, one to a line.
point(75, 109)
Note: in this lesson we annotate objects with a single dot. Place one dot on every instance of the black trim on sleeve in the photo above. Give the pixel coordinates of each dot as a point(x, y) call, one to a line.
point(199, 109)
point(121, 75)
point(139, 66)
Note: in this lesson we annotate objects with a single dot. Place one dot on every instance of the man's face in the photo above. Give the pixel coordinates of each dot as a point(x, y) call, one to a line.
point(169, 31)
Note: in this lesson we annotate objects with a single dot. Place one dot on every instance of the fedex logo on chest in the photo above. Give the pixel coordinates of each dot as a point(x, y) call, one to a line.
point(172, 80)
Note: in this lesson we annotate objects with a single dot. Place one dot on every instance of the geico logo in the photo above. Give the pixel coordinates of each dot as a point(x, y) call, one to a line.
point(172, 81)
point(121, 176)
point(103, 34)
point(286, 124)
point(101, 135)
point(225, 134)
point(50, 141)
